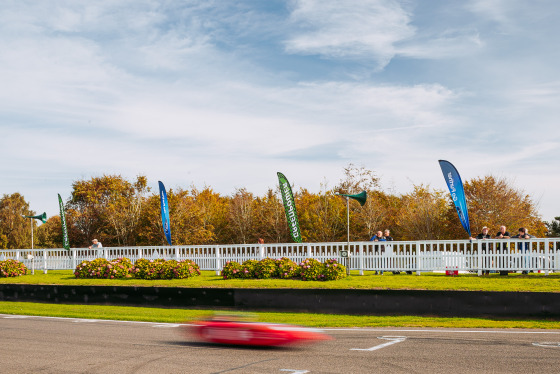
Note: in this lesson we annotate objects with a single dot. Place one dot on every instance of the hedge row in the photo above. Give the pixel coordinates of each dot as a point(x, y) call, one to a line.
point(142, 268)
point(284, 268)
point(12, 268)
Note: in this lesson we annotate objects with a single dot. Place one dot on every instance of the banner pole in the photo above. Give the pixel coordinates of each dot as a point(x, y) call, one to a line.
point(347, 235)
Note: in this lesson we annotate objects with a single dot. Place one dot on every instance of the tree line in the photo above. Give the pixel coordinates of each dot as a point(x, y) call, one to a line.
point(121, 212)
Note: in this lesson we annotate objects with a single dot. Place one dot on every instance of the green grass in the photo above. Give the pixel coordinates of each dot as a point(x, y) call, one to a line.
point(426, 281)
point(311, 320)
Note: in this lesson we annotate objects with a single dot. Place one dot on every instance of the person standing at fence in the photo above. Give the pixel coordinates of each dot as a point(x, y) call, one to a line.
point(502, 234)
point(378, 237)
point(484, 236)
point(524, 234)
point(95, 244)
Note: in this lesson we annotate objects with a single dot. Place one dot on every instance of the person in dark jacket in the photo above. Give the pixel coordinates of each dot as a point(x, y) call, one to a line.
point(524, 234)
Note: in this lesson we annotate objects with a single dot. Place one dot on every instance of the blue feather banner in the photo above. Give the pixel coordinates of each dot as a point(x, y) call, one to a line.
point(453, 180)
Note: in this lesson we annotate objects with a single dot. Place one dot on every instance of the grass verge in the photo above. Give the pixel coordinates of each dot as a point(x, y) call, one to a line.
point(304, 319)
point(426, 281)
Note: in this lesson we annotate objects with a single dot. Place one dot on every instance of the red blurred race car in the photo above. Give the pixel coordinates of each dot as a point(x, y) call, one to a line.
point(222, 330)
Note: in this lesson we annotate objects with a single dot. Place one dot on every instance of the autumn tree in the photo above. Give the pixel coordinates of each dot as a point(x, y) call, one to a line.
point(422, 214)
point(270, 218)
point(241, 217)
point(214, 213)
point(109, 207)
point(322, 216)
point(49, 234)
point(14, 228)
point(494, 202)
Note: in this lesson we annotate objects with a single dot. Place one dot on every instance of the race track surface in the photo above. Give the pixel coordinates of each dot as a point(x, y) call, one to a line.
point(60, 345)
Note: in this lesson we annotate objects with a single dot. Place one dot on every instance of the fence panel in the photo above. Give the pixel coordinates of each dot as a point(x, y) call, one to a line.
point(411, 256)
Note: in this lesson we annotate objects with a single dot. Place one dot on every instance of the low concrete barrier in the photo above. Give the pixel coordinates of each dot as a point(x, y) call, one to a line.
point(356, 302)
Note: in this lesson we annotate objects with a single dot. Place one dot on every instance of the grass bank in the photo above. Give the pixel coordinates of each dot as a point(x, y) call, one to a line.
point(303, 319)
point(426, 281)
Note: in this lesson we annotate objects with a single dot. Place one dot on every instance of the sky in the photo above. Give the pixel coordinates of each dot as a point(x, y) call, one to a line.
point(227, 93)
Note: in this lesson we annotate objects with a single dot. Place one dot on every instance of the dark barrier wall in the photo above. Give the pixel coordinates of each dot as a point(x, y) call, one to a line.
point(365, 302)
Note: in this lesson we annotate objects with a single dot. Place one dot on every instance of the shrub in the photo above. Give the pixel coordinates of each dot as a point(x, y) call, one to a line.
point(286, 268)
point(265, 268)
point(186, 269)
point(149, 269)
point(248, 269)
point(334, 270)
point(173, 269)
point(12, 268)
point(231, 269)
point(101, 268)
point(311, 269)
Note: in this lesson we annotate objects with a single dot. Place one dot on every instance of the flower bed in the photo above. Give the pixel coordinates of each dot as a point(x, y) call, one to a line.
point(284, 268)
point(12, 268)
point(142, 268)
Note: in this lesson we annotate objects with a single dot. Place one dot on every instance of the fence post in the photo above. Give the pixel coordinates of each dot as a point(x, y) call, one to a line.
point(45, 261)
point(417, 246)
point(17, 254)
point(177, 253)
point(478, 259)
point(308, 250)
point(74, 258)
point(217, 252)
point(261, 251)
point(547, 256)
point(361, 258)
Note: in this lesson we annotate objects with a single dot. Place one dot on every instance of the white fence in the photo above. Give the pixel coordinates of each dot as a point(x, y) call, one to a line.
point(412, 256)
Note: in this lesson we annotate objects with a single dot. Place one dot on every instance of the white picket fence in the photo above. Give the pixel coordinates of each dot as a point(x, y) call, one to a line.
point(413, 256)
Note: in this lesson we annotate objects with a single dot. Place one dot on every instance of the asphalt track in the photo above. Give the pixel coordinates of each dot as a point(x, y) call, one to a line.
point(65, 345)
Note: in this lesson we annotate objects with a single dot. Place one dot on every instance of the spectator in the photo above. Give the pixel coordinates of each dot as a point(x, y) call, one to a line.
point(389, 238)
point(96, 244)
point(503, 247)
point(387, 235)
point(502, 234)
point(378, 237)
point(524, 234)
point(260, 241)
point(483, 236)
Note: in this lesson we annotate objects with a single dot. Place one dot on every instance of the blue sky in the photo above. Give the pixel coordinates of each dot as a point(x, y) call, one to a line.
point(226, 94)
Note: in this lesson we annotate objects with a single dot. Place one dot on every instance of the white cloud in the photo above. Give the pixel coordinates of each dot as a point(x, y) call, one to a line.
point(350, 29)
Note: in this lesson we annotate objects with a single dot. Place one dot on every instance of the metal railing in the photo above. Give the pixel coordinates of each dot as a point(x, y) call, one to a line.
point(412, 256)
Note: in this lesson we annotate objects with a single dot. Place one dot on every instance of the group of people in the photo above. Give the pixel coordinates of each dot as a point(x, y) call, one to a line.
point(504, 234)
point(382, 236)
point(523, 233)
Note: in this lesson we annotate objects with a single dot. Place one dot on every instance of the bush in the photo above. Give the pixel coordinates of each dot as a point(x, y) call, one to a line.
point(265, 268)
point(149, 269)
point(161, 269)
point(173, 269)
point(286, 268)
point(231, 269)
point(101, 268)
point(333, 270)
point(311, 269)
point(12, 268)
point(248, 269)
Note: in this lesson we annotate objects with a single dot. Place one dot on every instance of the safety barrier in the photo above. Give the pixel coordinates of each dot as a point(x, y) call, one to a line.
point(411, 256)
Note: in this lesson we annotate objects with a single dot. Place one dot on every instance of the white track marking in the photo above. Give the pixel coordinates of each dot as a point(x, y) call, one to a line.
point(296, 371)
point(392, 340)
point(547, 344)
point(161, 324)
point(443, 330)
